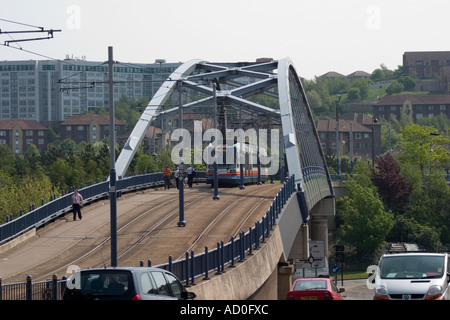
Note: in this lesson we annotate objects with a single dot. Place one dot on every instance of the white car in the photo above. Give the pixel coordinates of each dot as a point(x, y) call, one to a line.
point(413, 276)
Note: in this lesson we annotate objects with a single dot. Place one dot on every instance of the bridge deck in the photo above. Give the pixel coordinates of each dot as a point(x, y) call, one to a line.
point(147, 229)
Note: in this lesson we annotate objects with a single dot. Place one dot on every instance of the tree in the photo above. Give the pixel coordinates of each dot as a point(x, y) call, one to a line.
point(363, 86)
point(421, 146)
point(394, 87)
point(393, 187)
point(6, 160)
point(353, 94)
point(408, 82)
point(377, 75)
point(364, 222)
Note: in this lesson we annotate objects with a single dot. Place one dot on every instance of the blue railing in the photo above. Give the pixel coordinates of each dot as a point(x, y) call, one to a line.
point(188, 269)
point(59, 206)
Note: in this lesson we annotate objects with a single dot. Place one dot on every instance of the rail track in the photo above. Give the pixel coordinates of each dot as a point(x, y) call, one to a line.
point(148, 229)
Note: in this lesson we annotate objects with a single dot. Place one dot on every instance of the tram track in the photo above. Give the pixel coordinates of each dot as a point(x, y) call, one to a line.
point(241, 220)
point(148, 228)
point(122, 232)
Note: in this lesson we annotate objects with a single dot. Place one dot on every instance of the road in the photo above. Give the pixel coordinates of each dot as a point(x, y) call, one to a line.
point(356, 290)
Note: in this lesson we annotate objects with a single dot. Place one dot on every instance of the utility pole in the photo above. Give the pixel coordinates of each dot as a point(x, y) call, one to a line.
point(112, 153)
point(216, 182)
point(181, 172)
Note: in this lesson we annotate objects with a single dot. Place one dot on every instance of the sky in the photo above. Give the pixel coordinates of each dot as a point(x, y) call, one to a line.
point(317, 35)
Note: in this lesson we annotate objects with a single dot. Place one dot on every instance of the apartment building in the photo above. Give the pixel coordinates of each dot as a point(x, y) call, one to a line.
point(355, 129)
point(54, 90)
point(425, 64)
point(19, 134)
point(89, 127)
point(414, 106)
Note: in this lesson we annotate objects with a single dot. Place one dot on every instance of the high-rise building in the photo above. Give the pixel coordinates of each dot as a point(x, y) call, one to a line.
point(53, 90)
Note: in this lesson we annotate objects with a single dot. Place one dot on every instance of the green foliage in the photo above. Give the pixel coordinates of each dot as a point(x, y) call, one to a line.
point(365, 223)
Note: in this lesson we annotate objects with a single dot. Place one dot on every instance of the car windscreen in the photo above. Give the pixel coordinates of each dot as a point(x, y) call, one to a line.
point(412, 267)
point(310, 285)
point(111, 283)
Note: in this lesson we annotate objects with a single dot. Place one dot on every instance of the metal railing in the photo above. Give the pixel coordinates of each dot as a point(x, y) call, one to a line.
point(59, 206)
point(188, 269)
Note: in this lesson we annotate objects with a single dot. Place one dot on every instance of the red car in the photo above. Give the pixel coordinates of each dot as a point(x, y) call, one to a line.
point(314, 289)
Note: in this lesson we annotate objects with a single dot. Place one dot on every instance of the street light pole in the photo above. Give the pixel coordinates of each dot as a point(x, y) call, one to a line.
point(338, 145)
point(112, 153)
point(181, 221)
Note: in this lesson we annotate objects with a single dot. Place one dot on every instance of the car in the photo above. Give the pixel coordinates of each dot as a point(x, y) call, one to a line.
point(125, 283)
point(314, 289)
point(412, 276)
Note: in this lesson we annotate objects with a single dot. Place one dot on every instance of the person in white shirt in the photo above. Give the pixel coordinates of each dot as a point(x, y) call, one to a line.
point(190, 174)
point(77, 204)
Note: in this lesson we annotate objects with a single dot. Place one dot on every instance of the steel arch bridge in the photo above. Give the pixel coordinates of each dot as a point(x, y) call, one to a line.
point(231, 86)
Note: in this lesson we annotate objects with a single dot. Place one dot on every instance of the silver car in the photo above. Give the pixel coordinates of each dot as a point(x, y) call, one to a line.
point(413, 276)
point(125, 283)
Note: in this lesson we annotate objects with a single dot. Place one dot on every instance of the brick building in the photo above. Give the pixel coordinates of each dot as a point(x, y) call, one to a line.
point(89, 127)
point(414, 106)
point(359, 126)
point(19, 134)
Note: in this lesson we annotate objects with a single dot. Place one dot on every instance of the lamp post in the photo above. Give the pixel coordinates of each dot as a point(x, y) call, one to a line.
point(430, 151)
point(374, 120)
point(181, 221)
point(112, 179)
point(338, 145)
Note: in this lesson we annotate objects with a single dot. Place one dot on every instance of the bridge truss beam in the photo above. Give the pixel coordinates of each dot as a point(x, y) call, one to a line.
point(236, 83)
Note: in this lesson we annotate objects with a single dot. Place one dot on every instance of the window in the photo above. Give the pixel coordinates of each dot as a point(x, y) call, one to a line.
point(442, 107)
point(147, 284)
point(161, 283)
point(175, 285)
point(357, 135)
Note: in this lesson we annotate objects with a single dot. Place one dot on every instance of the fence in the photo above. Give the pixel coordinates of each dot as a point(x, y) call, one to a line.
point(188, 269)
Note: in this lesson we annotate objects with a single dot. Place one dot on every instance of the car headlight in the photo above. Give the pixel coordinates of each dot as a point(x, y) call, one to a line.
point(434, 292)
point(381, 293)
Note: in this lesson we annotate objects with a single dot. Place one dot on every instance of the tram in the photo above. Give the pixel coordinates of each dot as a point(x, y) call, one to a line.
point(229, 168)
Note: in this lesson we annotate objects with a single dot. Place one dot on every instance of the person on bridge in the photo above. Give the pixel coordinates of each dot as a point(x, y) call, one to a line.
point(191, 174)
point(77, 204)
point(166, 173)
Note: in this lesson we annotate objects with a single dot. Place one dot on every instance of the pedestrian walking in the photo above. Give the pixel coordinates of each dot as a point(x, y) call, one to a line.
point(190, 176)
point(166, 173)
point(77, 204)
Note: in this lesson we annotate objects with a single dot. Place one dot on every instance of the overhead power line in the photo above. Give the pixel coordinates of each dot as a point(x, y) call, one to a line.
point(49, 32)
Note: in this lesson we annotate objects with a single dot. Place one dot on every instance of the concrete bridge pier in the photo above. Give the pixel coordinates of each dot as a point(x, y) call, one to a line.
point(322, 220)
